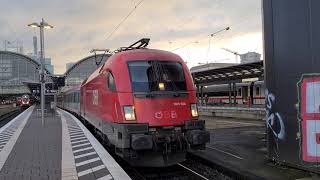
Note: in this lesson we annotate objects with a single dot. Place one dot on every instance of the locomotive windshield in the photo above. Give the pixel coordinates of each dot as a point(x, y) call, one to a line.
point(147, 76)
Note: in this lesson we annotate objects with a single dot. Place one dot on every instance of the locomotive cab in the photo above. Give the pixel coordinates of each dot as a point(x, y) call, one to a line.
point(143, 103)
point(159, 119)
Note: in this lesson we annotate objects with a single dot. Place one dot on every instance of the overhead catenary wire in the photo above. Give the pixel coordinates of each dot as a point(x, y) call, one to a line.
point(211, 35)
point(124, 19)
point(246, 19)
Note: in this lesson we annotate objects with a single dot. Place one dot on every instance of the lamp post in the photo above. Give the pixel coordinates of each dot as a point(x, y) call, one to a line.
point(42, 25)
point(211, 35)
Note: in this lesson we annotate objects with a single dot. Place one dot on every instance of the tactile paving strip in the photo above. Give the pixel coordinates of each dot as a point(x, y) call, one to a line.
point(88, 163)
point(7, 133)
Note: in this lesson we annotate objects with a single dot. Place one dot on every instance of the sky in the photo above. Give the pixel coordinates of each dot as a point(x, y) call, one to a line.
point(180, 26)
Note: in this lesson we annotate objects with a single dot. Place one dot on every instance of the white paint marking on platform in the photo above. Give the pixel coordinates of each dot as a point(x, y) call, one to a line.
point(230, 154)
point(73, 126)
point(5, 139)
point(7, 133)
point(84, 155)
point(77, 139)
point(82, 135)
point(68, 168)
point(85, 140)
point(107, 177)
point(114, 168)
point(74, 131)
point(24, 117)
point(88, 171)
point(84, 149)
point(87, 161)
point(76, 134)
point(79, 145)
point(10, 129)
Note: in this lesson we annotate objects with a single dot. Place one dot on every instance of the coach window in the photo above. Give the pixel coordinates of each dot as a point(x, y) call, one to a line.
point(257, 91)
point(239, 92)
point(111, 83)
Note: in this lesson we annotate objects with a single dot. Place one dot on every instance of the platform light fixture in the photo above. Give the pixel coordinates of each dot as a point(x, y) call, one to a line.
point(42, 25)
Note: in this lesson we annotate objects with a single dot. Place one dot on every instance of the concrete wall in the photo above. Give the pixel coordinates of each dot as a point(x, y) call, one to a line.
point(233, 112)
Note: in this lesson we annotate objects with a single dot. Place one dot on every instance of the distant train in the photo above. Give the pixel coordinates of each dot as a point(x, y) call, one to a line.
point(24, 101)
point(245, 92)
point(142, 102)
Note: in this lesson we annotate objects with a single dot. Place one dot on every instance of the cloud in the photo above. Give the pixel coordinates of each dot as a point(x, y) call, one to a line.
point(80, 25)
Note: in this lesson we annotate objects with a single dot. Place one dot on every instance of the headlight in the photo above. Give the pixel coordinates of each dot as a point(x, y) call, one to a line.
point(194, 110)
point(129, 114)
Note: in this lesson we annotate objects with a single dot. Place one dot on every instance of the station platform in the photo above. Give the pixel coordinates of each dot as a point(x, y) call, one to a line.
point(238, 148)
point(59, 148)
point(250, 113)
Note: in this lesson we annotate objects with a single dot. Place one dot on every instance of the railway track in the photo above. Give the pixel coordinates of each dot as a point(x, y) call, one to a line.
point(6, 117)
point(193, 168)
point(190, 169)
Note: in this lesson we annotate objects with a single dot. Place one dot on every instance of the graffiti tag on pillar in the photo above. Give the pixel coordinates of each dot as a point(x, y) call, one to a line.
point(274, 120)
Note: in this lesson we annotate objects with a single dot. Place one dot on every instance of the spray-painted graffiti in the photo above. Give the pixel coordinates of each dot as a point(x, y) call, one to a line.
point(274, 120)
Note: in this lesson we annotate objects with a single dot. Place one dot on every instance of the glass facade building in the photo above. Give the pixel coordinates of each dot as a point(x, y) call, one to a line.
point(83, 68)
point(16, 70)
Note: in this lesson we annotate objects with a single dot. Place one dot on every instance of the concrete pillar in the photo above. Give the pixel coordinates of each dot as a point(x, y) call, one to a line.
point(201, 92)
point(234, 93)
point(230, 93)
point(292, 63)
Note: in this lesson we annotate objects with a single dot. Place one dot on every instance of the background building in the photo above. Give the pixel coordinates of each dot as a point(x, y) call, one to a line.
point(250, 57)
point(83, 69)
point(36, 56)
point(16, 71)
point(13, 46)
point(210, 66)
point(69, 65)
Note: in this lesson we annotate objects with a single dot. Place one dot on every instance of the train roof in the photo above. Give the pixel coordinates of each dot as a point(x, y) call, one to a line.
point(71, 89)
point(135, 55)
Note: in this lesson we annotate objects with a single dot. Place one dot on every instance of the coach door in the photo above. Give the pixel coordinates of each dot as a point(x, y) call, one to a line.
point(245, 93)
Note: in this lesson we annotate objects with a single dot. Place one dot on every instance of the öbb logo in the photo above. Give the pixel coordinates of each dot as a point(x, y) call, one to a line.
point(165, 114)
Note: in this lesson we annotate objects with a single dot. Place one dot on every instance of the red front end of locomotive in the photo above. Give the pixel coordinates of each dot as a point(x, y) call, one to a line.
point(144, 104)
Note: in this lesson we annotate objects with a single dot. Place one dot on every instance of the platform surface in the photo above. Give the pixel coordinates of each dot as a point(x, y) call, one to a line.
point(239, 147)
point(59, 148)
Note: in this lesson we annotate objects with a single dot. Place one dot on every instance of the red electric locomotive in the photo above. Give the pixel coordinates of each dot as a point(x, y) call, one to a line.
point(143, 103)
point(25, 101)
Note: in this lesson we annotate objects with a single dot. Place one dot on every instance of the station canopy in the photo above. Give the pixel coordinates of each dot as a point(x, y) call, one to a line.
point(19, 74)
point(225, 75)
point(83, 68)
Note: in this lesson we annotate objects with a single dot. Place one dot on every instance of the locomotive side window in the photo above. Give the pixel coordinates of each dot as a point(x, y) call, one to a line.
point(111, 83)
point(147, 76)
